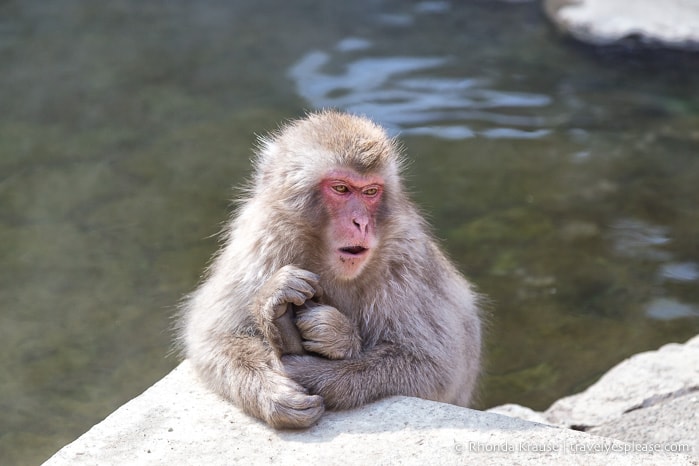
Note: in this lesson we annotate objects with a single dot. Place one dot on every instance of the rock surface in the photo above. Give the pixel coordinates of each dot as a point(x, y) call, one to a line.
point(675, 421)
point(668, 23)
point(650, 398)
point(640, 381)
point(178, 421)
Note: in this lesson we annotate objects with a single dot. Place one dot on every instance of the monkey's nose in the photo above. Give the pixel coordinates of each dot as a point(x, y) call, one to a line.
point(361, 223)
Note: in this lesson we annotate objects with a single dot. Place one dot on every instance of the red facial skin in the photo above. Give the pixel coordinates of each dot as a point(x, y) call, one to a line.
point(351, 201)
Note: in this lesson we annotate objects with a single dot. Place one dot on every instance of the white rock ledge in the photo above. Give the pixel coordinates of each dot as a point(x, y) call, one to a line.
point(668, 23)
point(651, 398)
point(637, 383)
point(178, 421)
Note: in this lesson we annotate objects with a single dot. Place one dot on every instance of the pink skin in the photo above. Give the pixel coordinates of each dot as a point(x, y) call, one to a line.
point(352, 201)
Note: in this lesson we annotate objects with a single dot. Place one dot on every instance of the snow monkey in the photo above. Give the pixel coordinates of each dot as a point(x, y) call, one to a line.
point(329, 291)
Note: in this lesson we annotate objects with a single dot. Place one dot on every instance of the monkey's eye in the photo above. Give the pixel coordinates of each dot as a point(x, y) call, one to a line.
point(371, 192)
point(340, 188)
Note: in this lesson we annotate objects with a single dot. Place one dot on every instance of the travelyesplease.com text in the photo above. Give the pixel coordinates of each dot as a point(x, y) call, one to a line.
point(573, 448)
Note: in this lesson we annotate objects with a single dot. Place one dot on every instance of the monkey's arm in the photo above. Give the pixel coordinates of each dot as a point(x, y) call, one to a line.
point(384, 370)
point(236, 348)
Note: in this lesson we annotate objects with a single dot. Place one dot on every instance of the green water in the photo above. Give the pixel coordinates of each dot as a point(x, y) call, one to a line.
point(563, 181)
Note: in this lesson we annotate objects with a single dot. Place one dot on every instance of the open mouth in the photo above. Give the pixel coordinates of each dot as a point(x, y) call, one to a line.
point(353, 250)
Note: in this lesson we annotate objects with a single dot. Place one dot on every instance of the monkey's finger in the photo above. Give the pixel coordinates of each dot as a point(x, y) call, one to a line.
point(293, 407)
point(311, 329)
point(320, 313)
point(303, 401)
point(310, 278)
point(313, 346)
point(291, 418)
point(301, 285)
point(294, 296)
point(306, 319)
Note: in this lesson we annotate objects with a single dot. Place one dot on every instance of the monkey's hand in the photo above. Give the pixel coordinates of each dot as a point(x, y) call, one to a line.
point(289, 285)
point(328, 332)
point(287, 405)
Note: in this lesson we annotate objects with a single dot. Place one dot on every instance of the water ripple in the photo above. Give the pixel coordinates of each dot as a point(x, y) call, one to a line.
point(669, 309)
point(680, 271)
point(640, 240)
point(408, 95)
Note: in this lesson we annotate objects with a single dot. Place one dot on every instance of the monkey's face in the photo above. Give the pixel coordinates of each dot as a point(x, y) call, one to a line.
point(351, 201)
